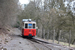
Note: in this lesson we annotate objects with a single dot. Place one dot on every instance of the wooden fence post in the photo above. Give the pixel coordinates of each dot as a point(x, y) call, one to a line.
point(53, 36)
point(37, 32)
point(69, 38)
point(59, 36)
point(48, 35)
point(44, 33)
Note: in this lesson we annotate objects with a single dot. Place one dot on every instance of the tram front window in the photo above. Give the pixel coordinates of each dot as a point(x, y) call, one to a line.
point(34, 26)
point(30, 25)
point(26, 25)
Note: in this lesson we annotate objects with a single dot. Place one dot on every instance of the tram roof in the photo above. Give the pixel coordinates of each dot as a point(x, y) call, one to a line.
point(27, 20)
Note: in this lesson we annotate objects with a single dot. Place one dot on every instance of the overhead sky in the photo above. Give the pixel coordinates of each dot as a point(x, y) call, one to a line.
point(24, 1)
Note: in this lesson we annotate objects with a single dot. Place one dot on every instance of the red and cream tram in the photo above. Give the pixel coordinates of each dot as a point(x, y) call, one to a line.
point(28, 28)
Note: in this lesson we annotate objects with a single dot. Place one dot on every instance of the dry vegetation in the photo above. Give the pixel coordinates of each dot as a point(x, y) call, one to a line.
point(8, 18)
point(8, 12)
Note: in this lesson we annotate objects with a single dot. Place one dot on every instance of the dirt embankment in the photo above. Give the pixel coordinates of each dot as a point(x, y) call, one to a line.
point(4, 35)
point(11, 40)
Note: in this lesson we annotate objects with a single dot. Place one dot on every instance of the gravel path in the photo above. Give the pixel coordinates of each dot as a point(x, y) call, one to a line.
point(17, 42)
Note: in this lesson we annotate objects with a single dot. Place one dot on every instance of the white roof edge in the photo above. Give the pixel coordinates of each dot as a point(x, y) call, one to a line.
point(25, 20)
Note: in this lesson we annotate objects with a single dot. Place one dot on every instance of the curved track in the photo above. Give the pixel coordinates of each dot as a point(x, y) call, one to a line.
point(49, 46)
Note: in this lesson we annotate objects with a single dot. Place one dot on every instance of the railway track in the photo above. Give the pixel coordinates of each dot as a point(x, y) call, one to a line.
point(49, 46)
point(38, 43)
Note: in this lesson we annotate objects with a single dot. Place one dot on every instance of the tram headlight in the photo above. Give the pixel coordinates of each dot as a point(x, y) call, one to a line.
point(36, 27)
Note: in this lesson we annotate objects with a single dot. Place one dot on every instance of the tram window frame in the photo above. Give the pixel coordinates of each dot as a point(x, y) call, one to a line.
point(26, 26)
point(34, 25)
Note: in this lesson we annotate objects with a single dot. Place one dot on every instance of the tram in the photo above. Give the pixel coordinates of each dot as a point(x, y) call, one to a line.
point(28, 28)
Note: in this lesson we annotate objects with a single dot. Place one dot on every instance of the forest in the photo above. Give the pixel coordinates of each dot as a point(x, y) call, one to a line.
point(50, 15)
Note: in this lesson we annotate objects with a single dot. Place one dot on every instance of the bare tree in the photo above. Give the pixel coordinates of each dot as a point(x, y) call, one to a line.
point(8, 12)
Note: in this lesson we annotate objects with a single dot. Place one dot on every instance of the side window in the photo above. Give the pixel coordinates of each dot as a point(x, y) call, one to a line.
point(34, 26)
point(26, 25)
point(22, 25)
